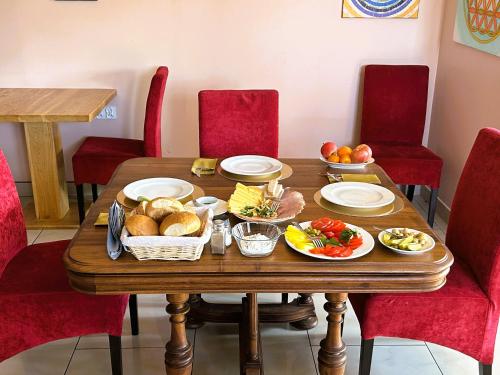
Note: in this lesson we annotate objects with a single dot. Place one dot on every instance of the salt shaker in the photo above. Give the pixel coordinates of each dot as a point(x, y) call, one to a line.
point(227, 225)
point(218, 239)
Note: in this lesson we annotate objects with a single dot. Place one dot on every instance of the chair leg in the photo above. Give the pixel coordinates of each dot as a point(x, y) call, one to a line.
point(94, 192)
point(365, 360)
point(342, 326)
point(410, 191)
point(432, 206)
point(284, 298)
point(134, 319)
point(115, 349)
point(485, 369)
point(81, 202)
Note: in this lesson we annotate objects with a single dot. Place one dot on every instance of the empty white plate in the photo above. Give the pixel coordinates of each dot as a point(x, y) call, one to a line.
point(357, 194)
point(251, 165)
point(152, 188)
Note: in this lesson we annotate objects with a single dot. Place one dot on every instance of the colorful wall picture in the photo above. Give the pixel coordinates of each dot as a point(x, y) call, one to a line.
point(380, 9)
point(477, 25)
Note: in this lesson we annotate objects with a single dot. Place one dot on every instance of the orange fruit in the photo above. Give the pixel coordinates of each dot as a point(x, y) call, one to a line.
point(346, 159)
point(344, 151)
point(334, 158)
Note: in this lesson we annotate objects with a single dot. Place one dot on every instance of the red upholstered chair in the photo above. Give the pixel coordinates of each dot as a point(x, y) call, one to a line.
point(463, 315)
point(37, 305)
point(393, 120)
point(97, 158)
point(238, 122)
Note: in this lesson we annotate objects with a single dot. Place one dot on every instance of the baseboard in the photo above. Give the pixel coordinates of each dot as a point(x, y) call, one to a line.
point(24, 189)
point(442, 208)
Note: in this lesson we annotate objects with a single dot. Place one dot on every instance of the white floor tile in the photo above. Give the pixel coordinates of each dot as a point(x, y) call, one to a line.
point(154, 327)
point(32, 235)
point(48, 359)
point(48, 235)
point(452, 362)
point(139, 361)
point(216, 350)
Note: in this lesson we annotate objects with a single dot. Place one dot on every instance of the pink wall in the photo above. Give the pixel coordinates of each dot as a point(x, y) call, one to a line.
point(302, 48)
point(466, 99)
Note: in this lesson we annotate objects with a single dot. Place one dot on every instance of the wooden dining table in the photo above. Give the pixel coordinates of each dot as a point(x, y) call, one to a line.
point(40, 110)
point(90, 270)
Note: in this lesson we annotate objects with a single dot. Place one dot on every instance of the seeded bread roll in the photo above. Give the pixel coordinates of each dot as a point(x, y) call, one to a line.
point(180, 224)
point(141, 225)
point(140, 209)
point(159, 208)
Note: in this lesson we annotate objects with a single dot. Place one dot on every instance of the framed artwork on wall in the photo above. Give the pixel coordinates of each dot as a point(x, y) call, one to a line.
point(380, 8)
point(477, 25)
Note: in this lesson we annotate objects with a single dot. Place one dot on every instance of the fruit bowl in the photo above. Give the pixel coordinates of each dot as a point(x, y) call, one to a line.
point(347, 166)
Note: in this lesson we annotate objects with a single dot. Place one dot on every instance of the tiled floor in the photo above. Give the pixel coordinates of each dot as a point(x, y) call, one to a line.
point(286, 351)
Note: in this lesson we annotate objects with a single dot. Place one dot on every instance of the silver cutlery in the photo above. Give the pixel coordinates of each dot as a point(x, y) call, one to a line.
point(315, 240)
point(277, 201)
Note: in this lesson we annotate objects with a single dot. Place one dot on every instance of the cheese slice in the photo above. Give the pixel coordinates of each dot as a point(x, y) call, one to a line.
point(244, 196)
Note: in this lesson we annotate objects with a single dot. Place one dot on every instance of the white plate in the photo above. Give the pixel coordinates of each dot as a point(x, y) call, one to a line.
point(251, 165)
point(429, 239)
point(365, 248)
point(152, 188)
point(347, 166)
point(357, 194)
point(219, 209)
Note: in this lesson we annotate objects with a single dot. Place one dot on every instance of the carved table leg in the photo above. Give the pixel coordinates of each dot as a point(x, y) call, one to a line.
point(192, 322)
point(332, 355)
point(178, 354)
point(309, 322)
point(250, 345)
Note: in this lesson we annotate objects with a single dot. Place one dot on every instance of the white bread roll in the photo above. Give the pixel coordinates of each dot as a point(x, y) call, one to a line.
point(141, 225)
point(159, 208)
point(140, 209)
point(180, 224)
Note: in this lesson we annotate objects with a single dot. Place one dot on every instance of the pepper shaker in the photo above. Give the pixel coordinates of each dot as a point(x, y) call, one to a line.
point(218, 239)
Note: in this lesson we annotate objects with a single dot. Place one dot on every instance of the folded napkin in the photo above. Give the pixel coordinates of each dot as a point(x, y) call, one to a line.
point(204, 166)
point(116, 220)
point(351, 177)
point(102, 220)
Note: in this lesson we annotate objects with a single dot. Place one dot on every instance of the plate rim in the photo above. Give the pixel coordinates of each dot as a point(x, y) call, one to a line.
point(225, 161)
point(303, 224)
point(343, 183)
point(405, 252)
point(347, 166)
point(191, 189)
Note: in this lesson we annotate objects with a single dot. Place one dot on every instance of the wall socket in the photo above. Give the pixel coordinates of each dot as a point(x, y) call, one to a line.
point(107, 113)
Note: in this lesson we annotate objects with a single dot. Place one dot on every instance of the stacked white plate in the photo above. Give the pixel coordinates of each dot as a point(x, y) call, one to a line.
point(251, 165)
point(152, 188)
point(357, 195)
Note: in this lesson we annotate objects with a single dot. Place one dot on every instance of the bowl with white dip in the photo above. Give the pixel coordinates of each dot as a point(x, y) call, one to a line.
point(256, 239)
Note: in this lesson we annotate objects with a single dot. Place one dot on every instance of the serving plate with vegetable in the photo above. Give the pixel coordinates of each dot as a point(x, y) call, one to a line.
point(406, 241)
point(340, 240)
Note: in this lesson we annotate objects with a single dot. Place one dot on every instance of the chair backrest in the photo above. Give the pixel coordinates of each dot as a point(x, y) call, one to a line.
point(152, 121)
point(238, 122)
point(394, 104)
point(474, 226)
point(12, 232)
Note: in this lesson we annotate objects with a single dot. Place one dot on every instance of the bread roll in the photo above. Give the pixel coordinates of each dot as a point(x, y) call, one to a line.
point(140, 209)
point(141, 225)
point(159, 208)
point(180, 224)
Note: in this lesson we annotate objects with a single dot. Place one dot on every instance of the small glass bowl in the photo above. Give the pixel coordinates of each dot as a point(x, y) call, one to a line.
point(256, 247)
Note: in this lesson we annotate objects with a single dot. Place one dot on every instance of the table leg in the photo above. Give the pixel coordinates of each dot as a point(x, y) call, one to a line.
point(250, 344)
point(178, 354)
point(46, 161)
point(332, 354)
point(310, 322)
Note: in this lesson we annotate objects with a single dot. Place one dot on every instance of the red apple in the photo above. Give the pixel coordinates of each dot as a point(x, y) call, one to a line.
point(365, 147)
point(360, 155)
point(328, 149)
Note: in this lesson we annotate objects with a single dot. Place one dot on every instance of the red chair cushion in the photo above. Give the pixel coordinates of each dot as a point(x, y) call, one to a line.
point(238, 122)
point(97, 158)
point(37, 304)
point(453, 316)
point(409, 165)
point(394, 104)
point(12, 231)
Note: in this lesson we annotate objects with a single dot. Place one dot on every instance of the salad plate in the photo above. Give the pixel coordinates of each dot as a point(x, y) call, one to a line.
point(365, 248)
point(428, 244)
point(251, 165)
point(357, 194)
point(345, 165)
point(152, 188)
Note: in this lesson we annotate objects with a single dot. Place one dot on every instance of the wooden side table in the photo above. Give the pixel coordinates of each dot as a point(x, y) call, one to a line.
point(40, 110)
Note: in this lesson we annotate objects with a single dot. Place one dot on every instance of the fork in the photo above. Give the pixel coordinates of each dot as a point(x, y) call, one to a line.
point(315, 240)
point(276, 202)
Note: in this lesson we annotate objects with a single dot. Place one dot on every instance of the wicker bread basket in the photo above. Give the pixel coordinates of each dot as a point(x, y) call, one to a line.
point(171, 248)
